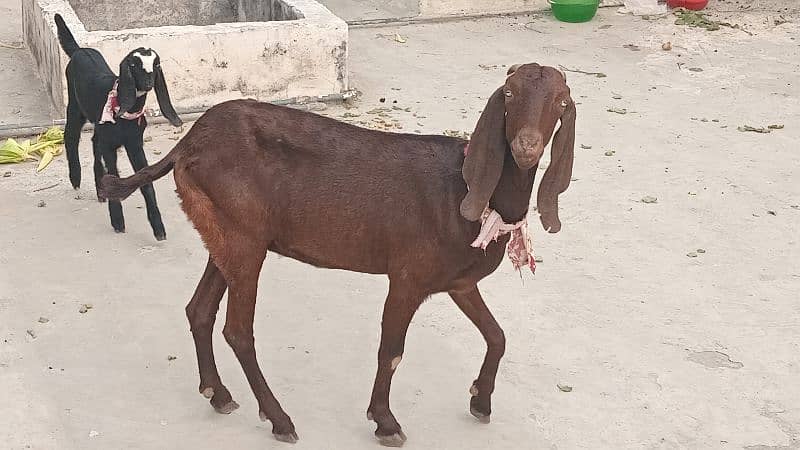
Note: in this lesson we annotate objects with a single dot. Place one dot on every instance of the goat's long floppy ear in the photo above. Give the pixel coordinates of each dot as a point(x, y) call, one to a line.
point(126, 89)
point(164, 103)
point(483, 164)
point(559, 173)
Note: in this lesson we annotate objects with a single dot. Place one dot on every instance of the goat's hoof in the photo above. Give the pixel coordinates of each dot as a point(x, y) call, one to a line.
point(227, 408)
point(392, 440)
point(119, 230)
point(289, 438)
point(101, 199)
point(161, 237)
point(207, 392)
point(481, 416)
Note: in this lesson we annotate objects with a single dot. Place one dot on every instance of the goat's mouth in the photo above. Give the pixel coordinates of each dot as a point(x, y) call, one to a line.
point(526, 164)
point(527, 158)
point(527, 149)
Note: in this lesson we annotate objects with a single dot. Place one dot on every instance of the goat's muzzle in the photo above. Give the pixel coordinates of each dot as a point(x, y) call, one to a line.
point(527, 149)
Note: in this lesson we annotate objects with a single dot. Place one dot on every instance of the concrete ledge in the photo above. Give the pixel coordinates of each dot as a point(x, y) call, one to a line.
point(438, 8)
point(455, 8)
point(303, 53)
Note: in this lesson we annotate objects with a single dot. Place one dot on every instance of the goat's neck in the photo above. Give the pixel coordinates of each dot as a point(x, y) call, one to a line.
point(512, 196)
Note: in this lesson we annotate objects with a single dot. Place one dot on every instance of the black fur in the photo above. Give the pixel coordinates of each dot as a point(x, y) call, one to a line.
point(89, 80)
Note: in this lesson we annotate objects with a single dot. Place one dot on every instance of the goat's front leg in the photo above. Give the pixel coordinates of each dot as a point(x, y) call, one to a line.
point(138, 160)
point(472, 305)
point(114, 206)
point(242, 272)
point(399, 309)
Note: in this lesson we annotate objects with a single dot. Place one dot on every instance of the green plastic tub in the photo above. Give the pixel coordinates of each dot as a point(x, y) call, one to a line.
point(574, 11)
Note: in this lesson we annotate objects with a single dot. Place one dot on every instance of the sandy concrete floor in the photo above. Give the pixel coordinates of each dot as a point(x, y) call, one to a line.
point(662, 350)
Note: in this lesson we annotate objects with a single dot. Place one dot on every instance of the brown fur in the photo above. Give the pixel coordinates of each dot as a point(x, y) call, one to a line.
point(255, 177)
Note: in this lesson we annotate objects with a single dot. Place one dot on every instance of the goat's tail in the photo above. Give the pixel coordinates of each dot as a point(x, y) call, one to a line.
point(65, 37)
point(113, 187)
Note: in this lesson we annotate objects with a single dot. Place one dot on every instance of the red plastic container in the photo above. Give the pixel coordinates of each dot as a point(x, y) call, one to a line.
point(695, 5)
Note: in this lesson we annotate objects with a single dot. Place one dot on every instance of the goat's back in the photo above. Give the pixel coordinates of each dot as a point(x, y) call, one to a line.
point(325, 192)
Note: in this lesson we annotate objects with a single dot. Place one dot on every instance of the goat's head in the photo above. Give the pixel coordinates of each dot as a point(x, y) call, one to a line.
point(520, 117)
point(139, 73)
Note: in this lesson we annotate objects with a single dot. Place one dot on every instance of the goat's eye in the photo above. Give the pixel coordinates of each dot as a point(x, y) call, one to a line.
point(563, 103)
point(509, 94)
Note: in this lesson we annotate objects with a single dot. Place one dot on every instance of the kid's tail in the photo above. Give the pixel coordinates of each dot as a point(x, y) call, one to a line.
point(65, 37)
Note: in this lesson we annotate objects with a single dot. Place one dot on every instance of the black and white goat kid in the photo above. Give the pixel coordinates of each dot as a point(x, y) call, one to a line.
point(115, 105)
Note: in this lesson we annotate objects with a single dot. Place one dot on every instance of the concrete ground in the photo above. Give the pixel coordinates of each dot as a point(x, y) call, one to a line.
point(664, 346)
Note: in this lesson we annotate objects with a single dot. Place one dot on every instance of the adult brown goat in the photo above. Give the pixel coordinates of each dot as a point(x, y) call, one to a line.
point(255, 177)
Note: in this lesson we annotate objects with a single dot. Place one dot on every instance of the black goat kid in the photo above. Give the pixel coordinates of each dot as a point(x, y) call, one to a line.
point(115, 105)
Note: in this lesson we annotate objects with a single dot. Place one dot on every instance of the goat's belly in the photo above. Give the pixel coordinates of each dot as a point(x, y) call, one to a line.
point(335, 252)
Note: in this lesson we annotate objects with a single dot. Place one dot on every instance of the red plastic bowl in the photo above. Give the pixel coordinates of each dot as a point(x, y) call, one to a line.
point(695, 5)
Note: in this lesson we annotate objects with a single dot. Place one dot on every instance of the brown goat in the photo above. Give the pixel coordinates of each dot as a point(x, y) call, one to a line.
point(255, 177)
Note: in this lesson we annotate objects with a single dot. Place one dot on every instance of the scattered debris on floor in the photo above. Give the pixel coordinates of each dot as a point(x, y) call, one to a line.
point(695, 19)
point(43, 320)
point(748, 128)
point(649, 199)
point(714, 360)
point(85, 308)
point(775, 127)
point(610, 153)
point(564, 387)
point(458, 134)
point(701, 250)
point(171, 358)
point(692, 255)
point(597, 74)
point(31, 333)
point(666, 46)
point(617, 110)
point(586, 147)
point(41, 204)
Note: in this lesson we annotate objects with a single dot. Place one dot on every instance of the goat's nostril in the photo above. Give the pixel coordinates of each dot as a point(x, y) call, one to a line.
point(530, 143)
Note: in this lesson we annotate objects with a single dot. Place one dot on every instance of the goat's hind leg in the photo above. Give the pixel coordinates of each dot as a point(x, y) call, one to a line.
point(201, 312)
point(472, 305)
point(139, 161)
point(72, 138)
point(243, 264)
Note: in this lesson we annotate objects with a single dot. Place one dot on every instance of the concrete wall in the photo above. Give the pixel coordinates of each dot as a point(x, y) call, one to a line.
point(205, 65)
point(38, 31)
point(125, 14)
